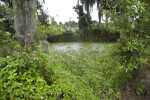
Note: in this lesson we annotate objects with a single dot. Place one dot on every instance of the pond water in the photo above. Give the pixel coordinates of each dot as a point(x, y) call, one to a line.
point(65, 46)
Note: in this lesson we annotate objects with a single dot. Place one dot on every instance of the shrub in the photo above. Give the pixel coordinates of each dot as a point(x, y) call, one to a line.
point(25, 75)
point(101, 33)
point(124, 61)
point(7, 43)
point(29, 74)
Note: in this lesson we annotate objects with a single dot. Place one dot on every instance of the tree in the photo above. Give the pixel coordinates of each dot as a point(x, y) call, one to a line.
point(101, 6)
point(24, 19)
point(6, 15)
point(72, 24)
point(88, 4)
point(43, 17)
point(8, 2)
point(83, 24)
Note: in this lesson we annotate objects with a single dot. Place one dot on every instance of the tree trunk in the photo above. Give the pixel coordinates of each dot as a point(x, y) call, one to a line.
point(106, 21)
point(25, 20)
point(88, 19)
point(99, 16)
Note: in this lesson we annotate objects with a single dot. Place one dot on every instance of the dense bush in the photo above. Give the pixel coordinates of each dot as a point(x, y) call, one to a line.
point(102, 34)
point(6, 19)
point(55, 33)
point(129, 58)
point(126, 61)
point(93, 69)
point(29, 73)
point(7, 43)
point(25, 75)
point(35, 75)
point(65, 36)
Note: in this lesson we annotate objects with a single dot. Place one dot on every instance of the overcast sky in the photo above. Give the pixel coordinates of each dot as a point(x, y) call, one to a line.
point(63, 10)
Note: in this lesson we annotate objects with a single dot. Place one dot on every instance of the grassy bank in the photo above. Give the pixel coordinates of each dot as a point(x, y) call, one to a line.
point(100, 74)
point(89, 70)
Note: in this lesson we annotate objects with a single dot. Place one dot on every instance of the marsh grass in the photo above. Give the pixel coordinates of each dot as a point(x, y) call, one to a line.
point(85, 67)
point(93, 71)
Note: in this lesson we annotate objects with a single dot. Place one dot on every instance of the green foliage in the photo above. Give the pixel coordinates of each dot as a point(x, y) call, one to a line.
point(6, 18)
point(125, 58)
point(130, 53)
point(7, 43)
point(55, 32)
point(101, 33)
point(25, 75)
point(92, 70)
point(59, 33)
point(135, 35)
point(71, 24)
point(139, 90)
point(43, 17)
point(41, 32)
point(29, 73)
point(84, 20)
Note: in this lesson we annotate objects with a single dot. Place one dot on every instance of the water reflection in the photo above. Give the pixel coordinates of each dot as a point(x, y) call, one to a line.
point(65, 46)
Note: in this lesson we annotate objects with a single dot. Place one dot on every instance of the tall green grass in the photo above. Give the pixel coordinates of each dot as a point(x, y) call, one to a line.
point(89, 69)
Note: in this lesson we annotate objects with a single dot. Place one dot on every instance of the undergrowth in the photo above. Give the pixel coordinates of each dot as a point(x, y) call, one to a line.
point(92, 69)
point(106, 71)
point(87, 74)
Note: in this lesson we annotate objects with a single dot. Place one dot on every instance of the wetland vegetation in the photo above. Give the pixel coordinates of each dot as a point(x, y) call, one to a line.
point(107, 59)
